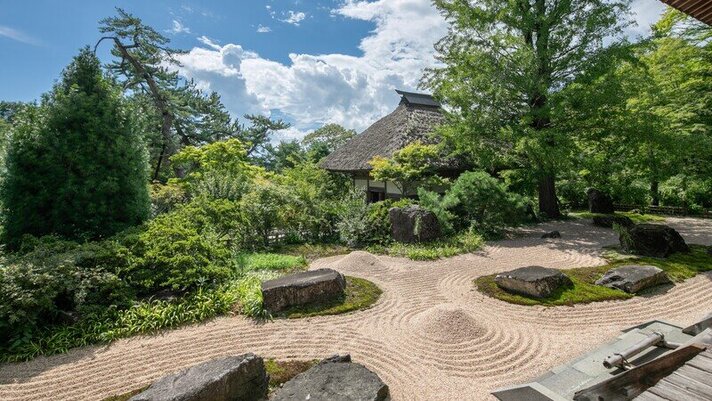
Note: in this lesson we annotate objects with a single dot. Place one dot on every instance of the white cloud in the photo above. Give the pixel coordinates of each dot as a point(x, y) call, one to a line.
point(311, 90)
point(646, 13)
point(294, 18)
point(14, 34)
point(263, 29)
point(178, 27)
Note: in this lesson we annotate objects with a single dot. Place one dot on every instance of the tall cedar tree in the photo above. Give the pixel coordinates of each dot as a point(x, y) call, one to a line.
point(77, 167)
point(503, 62)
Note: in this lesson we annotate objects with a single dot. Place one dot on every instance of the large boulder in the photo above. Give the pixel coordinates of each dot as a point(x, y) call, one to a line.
point(633, 278)
point(232, 378)
point(303, 288)
point(413, 224)
point(608, 220)
point(655, 240)
point(599, 201)
point(334, 379)
point(534, 281)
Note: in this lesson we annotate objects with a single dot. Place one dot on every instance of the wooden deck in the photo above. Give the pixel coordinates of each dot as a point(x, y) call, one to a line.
point(691, 382)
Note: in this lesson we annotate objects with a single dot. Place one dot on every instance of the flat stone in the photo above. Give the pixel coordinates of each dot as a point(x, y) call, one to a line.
point(302, 288)
point(633, 278)
point(552, 234)
point(656, 240)
point(334, 380)
point(608, 220)
point(232, 378)
point(413, 224)
point(599, 201)
point(534, 281)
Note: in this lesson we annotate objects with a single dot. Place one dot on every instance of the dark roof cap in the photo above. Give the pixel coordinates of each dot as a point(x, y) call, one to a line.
point(421, 99)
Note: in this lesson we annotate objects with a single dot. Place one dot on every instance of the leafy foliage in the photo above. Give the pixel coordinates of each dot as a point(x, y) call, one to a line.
point(76, 166)
point(410, 167)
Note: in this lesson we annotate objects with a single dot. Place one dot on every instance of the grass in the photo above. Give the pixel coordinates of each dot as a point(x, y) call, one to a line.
point(360, 294)
point(279, 373)
point(679, 266)
point(463, 243)
point(314, 251)
point(269, 261)
point(637, 218)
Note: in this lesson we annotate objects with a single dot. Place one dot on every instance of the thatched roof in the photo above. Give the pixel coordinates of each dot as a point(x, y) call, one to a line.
point(415, 117)
point(699, 9)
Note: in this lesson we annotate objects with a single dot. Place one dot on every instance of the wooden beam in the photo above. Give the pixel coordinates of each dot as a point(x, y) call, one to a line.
point(633, 382)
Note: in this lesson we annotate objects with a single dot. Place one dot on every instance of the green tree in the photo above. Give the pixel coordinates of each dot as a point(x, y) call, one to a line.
point(503, 63)
point(76, 165)
point(413, 166)
point(325, 140)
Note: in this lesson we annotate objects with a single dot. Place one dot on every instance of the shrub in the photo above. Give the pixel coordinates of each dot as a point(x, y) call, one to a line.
point(166, 197)
point(76, 167)
point(378, 222)
point(478, 199)
point(57, 282)
point(313, 209)
point(264, 209)
point(352, 225)
point(186, 248)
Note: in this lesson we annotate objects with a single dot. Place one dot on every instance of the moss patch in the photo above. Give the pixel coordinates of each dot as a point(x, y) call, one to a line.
point(635, 217)
point(679, 266)
point(281, 372)
point(463, 243)
point(360, 294)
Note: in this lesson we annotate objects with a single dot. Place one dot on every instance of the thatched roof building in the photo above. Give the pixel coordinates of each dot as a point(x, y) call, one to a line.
point(415, 117)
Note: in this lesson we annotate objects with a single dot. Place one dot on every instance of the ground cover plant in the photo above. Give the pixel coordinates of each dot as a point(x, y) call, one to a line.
point(678, 266)
point(637, 218)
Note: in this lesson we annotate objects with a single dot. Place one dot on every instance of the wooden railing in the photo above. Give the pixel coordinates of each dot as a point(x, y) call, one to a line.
point(665, 210)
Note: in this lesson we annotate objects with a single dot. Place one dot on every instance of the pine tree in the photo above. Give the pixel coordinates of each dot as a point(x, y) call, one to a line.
point(77, 165)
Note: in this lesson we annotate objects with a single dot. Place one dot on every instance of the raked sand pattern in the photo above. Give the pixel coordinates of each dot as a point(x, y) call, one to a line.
point(430, 337)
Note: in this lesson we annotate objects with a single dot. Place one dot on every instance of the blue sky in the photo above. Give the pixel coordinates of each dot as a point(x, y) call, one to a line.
point(308, 61)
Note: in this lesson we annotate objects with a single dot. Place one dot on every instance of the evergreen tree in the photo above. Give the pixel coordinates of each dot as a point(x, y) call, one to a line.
point(76, 165)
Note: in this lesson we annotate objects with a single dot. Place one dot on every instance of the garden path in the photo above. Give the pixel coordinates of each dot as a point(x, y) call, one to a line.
point(431, 336)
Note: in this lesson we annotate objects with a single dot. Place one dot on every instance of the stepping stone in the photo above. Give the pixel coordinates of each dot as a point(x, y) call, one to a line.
point(534, 281)
point(656, 240)
point(633, 278)
point(608, 220)
point(302, 288)
point(232, 378)
point(334, 379)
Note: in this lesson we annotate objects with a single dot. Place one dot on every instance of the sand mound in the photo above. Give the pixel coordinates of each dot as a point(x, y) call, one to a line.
point(360, 260)
point(448, 324)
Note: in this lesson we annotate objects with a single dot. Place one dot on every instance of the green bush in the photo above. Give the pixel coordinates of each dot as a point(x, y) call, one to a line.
point(378, 223)
point(186, 248)
point(166, 197)
point(264, 209)
point(363, 224)
point(476, 200)
point(76, 166)
point(57, 282)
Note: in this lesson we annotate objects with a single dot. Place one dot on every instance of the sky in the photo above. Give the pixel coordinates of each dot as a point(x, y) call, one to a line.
point(308, 62)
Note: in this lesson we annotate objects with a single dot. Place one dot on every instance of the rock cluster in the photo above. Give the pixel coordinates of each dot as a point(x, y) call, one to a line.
point(302, 288)
point(534, 281)
point(232, 378)
point(243, 378)
point(413, 224)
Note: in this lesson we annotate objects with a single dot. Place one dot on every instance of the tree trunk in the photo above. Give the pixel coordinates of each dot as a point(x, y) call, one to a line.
point(158, 163)
point(548, 203)
point(654, 193)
